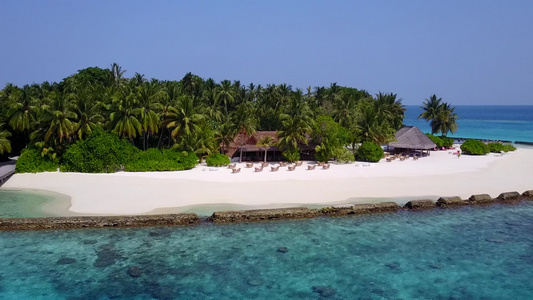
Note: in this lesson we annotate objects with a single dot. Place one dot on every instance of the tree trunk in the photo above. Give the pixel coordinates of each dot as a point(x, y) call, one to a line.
point(240, 158)
point(266, 154)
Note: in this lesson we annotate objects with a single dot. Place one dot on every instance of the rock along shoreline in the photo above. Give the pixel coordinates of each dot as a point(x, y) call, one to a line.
point(246, 216)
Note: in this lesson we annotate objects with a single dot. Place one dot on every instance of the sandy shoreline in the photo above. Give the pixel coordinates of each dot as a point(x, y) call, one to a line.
point(203, 189)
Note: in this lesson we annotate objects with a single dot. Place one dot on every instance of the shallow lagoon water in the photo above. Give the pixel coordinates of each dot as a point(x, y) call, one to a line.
point(33, 204)
point(466, 253)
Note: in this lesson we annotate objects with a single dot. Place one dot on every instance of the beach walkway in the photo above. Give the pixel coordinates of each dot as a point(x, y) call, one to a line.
point(6, 170)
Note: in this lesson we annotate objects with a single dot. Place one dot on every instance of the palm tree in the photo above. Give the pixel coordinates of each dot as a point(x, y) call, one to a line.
point(116, 74)
point(370, 126)
point(124, 115)
point(447, 121)
point(148, 97)
point(225, 135)
point(184, 119)
point(245, 122)
point(23, 111)
point(265, 143)
point(296, 124)
point(431, 112)
point(391, 109)
point(5, 144)
point(225, 94)
point(89, 117)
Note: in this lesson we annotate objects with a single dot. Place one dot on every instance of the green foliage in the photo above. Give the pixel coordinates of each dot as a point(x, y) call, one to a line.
point(31, 161)
point(508, 147)
point(101, 152)
point(369, 151)
point(329, 136)
point(161, 160)
point(344, 156)
point(435, 139)
point(446, 141)
point(217, 160)
point(474, 147)
point(291, 155)
point(495, 147)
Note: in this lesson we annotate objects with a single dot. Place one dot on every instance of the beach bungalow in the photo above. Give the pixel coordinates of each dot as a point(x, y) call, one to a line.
point(252, 152)
point(412, 139)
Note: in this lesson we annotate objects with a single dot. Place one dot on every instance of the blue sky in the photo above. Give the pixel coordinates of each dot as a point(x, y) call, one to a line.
point(467, 52)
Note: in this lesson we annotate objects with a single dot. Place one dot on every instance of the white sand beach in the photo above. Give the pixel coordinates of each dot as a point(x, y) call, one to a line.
point(441, 174)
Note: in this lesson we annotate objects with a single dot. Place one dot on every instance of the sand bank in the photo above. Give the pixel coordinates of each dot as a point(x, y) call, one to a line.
point(441, 174)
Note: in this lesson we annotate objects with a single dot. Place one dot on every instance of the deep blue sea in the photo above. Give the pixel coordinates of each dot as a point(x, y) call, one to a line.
point(499, 122)
point(466, 253)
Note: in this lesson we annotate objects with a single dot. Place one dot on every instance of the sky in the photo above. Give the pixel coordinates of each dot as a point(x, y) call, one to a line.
point(466, 52)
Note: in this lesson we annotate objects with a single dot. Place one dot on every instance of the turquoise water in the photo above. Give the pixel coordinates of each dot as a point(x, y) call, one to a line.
point(32, 204)
point(467, 253)
point(513, 123)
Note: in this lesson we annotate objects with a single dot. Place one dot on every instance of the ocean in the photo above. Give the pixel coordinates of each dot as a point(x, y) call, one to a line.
point(499, 122)
point(466, 253)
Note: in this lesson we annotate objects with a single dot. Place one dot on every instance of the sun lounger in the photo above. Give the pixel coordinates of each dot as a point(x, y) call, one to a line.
point(389, 159)
point(237, 170)
point(274, 169)
point(260, 169)
point(265, 164)
point(291, 168)
point(415, 157)
point(320, 163)
point(249, 165)
point(283, 164)
point(232, 166)
point(311, 167)
point(298, 163)
point(325, 166)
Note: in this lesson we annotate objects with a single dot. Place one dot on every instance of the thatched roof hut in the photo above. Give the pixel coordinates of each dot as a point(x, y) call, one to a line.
point(410, 137)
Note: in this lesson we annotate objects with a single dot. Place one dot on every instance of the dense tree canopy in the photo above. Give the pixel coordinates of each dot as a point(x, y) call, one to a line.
point(193, 114)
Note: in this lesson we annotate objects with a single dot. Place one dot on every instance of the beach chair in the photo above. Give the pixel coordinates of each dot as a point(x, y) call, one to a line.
point(274, 169)
point(311, 167)
point(415, 157)
point(264, 164)
point(232, 166)
point(291, 168)
point(388, 159)
point(260, 169)
point(249, 165)
point(283, 164)
point(325, 166)
point(236, 170)
point(320, 163)
point(298, 163)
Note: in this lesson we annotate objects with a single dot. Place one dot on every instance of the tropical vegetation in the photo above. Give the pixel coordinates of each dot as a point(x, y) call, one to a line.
point(440, 115)
point(195, 115)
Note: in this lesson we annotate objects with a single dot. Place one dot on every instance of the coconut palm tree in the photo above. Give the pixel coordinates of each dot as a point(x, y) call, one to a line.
point(265, 143)
point(123, 118)
point(148, 96)
point(244, 122)
point(5, 144)
point(184, 119)
point(226, 94)
point(22, 113)
point(447, 120)
point(225, 135)
point(370, 126)
point(116, 74)
point(432, 109)
point(391, 109)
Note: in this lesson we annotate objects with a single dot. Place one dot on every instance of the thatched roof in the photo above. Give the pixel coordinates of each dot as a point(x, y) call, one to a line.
point(410, 137)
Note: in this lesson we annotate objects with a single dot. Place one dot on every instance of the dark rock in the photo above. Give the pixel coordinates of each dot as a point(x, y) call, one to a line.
point(528, 194)
point(495, 241)
point(436, 266)
point(65, 261)
point(107, 256)
point(134, 272)
point(255, 282)
point(480, 198)
point(98, 222)
point(263, 215)
point(509, 196)
point(450, 201)
point(324, 291)
point(420, 204)
point(393, 265)
point(90, 242)
point(283, 250)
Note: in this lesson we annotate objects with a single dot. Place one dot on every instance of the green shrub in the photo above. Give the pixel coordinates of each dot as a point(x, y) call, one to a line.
point(446, 141)
point(344, 156)
point(474, 147)
point(369, 151)
point(217, 160)
point(291, 155)
point(31, 161)
point(153, 160)
point(495, 147)
point(508, 147)
point(435, 139)
point(101, 152)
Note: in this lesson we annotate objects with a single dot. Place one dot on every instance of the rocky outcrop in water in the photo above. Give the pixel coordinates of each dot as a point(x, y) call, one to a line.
point(509, 196)
point(98, 222)
point(263, 215)
point(480, 198)
point(450, 201)
point(420, 204)
point(528, 194)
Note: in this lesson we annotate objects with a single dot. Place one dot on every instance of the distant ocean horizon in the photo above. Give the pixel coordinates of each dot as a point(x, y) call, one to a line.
point(494, 122)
